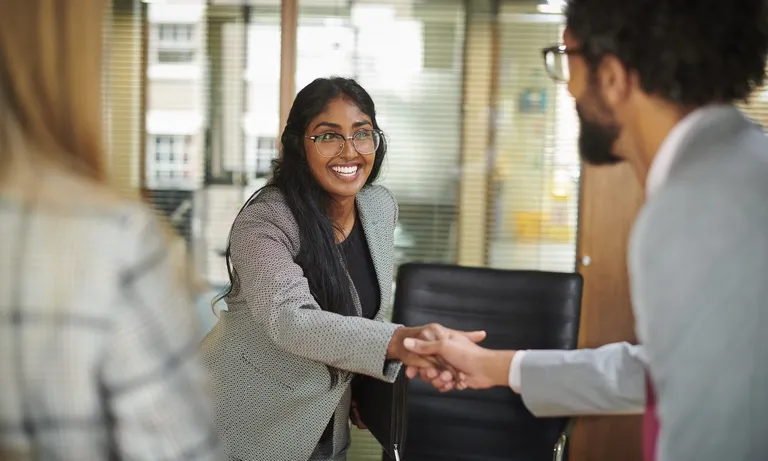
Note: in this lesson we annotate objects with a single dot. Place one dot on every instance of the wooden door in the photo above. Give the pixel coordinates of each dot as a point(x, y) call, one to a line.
point(610, 199)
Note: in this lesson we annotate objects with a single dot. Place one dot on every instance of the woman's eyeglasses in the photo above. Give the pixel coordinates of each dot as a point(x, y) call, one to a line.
point(332, 144)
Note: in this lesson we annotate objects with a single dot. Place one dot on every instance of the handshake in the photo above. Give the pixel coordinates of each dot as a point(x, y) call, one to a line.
point(449, 359)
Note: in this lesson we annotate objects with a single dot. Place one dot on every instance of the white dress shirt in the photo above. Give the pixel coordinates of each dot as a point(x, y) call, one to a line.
point(657, 176)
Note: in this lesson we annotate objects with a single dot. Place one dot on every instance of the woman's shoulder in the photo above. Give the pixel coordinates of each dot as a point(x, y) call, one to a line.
point(268, 211)
point(267, 202)
point(379, 198)
point(378, 194)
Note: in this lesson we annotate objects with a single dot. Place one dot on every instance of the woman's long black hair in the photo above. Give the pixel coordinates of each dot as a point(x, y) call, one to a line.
point(310, 204)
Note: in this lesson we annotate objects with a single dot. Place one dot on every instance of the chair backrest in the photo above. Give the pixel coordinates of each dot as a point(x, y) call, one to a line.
point(518, 310)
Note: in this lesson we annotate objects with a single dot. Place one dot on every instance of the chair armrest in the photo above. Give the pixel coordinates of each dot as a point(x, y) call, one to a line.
point(559, 449)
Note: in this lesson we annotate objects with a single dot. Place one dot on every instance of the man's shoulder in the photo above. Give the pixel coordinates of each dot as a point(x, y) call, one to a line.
point(720, 155)
point(717, 172)
point(715, 191)
point(718, 190)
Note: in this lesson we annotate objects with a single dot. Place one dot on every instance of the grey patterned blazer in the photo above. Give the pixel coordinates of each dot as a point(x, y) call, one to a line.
point(267, 355)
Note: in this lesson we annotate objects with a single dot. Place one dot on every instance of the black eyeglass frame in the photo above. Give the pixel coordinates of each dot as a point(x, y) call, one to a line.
point(557, 50)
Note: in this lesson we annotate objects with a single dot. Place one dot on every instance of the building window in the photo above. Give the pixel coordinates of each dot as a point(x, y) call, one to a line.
point(175, 56)
point(172, 148)
point(266, 151)
point(175, 43)
point(175, 33)
point(259, 153)
point(171, 161)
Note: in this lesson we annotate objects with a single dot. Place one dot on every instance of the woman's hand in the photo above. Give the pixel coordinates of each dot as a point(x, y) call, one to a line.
point(354, 416)
point(431, 332)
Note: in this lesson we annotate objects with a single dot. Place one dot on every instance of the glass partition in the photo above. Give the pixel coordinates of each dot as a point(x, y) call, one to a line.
point(535, 165)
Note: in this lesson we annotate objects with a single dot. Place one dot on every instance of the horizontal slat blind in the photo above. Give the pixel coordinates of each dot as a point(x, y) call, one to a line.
point(154, 110)
point(122, 93)
point(175, 110)
point(408, 56)
point(211, 115)
point(243, 89)
point(535, 170)
point(757, 108)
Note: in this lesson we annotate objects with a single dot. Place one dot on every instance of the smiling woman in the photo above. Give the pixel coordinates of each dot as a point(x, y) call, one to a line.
point(310, 262)
point(346, 142)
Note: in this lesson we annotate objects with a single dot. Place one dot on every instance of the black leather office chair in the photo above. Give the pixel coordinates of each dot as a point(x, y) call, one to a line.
point(518, 310)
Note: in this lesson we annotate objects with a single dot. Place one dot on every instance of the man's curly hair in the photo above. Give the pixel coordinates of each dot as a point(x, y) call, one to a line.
point(690, 52)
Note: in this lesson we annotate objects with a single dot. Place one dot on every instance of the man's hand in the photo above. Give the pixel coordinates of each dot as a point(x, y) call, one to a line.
point(480, 368)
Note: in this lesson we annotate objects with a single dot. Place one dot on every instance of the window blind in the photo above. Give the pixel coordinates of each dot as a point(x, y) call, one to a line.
point(408, 56)
point(757, 107)
point(242, 87)
point(482, 154)
point(533, 187)
point(122, 93)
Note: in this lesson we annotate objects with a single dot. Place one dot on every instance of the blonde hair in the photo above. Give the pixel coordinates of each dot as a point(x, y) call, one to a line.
point(50, 83)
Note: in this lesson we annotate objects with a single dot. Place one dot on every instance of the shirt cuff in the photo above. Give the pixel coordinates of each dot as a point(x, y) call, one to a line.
point(514, 371)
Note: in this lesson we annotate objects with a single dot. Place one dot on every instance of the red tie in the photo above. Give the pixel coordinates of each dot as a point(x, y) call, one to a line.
point(650, 423)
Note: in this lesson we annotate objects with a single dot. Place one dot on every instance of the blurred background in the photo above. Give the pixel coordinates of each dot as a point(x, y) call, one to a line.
point(483, 157)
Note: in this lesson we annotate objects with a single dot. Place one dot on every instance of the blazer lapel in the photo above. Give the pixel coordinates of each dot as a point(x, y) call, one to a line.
point(375, 236)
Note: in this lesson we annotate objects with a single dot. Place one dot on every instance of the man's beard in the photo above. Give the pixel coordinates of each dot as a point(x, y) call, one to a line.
point(596, 141)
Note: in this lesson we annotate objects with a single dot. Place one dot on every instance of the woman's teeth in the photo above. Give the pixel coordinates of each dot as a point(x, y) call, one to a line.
point(345, 170)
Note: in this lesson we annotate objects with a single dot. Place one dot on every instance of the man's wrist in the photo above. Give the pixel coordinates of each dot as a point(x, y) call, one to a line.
point(496, 367)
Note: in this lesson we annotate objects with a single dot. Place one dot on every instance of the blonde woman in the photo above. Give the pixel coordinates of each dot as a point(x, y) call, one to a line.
point(97, 337)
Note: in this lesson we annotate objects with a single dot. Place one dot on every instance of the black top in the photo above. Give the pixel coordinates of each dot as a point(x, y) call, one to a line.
point(363, 274)
point(360, 267)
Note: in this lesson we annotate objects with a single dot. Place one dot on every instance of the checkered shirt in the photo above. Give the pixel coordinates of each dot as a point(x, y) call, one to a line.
point(97, 334)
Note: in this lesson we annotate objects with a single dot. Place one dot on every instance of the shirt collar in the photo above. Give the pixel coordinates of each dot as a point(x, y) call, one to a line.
point(670, 149)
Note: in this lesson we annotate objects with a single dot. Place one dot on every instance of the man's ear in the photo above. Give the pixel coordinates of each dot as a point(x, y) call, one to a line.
point(614, 80)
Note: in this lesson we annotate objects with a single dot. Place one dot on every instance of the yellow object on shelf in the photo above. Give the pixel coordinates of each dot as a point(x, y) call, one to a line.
point(528, 226)
point(537, 227)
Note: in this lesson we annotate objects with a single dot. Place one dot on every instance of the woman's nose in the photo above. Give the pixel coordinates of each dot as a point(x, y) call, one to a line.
point(349, 151)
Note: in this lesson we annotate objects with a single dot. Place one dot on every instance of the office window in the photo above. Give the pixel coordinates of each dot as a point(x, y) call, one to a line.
point(242, 90)
point(757, 108)
point(411, 61)
point(532, 214)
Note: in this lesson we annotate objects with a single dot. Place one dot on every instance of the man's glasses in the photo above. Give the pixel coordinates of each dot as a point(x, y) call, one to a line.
point(332, 144)
point(556, 62)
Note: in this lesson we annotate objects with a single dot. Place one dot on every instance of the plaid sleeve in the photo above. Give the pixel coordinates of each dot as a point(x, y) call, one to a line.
point(153, 383)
